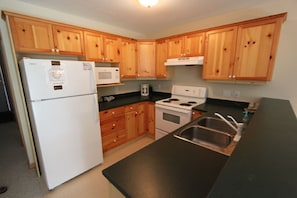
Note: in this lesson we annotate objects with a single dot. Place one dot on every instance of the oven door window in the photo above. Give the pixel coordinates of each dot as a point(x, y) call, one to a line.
point(171, 118)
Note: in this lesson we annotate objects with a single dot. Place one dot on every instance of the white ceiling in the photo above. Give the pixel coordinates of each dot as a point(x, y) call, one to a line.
point(129, 14)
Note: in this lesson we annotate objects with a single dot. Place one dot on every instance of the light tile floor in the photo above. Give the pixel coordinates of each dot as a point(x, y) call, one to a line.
point(24, 183)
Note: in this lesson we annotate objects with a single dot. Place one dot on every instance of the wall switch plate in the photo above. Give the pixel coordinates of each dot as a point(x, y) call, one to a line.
point(227, 93)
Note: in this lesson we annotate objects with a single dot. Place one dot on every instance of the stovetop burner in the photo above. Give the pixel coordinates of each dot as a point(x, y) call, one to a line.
point(171, 100)
point(185, 104)
point(192, 102)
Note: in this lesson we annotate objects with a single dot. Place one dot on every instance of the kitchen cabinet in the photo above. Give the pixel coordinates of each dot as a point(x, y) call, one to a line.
point(256, 49)
point(128, 59)
point(101, 48)
point(40, 36)
point(219, 53)
point(243, 52)
point(135, 120)
point(113, 127)
point(146, 58)
point(93, 46)
point(188, 45)
point(68, 40)
point(196, 114)
point(161, 56)
point(150, 118)
point(31, 36)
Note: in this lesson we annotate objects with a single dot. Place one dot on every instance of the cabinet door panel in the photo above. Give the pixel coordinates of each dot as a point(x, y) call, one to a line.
point(128, 59)
point(31, 36)
point(93, 46)
point(111, 49)
point(161, 56)
point(146, 59)
point(174, 47)
point(254, 51)
point(68, 40)
point(219, 53)
point(194, 44)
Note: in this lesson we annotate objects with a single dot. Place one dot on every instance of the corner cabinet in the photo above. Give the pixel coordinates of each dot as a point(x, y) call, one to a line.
point(128, 59)
point(146, 58)
point(243, 52)
point(161, 57)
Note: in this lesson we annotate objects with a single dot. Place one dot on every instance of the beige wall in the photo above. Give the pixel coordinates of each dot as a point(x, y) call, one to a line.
point(281, 86)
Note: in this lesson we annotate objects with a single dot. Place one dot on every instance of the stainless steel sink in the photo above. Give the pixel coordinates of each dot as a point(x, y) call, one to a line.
point(217, 124)
point(209, 132)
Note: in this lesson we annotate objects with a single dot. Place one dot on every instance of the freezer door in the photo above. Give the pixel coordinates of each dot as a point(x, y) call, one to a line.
point(67, 137)
point(47, 79)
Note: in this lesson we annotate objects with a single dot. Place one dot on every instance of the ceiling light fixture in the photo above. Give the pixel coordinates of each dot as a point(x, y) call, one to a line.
point(148, 3)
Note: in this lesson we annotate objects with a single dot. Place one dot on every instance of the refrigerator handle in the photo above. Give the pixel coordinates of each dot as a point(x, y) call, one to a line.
point(96, 109)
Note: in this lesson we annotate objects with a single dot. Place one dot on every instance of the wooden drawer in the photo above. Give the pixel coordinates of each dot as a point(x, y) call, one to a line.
point(113, 125)
point(132, 107)
point(111, 113)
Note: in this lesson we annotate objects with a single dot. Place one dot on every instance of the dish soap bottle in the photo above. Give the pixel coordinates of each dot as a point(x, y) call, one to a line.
point(245, 120)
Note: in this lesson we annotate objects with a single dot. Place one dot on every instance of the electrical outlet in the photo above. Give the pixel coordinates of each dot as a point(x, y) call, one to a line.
point(236, 94)
point(227, 93)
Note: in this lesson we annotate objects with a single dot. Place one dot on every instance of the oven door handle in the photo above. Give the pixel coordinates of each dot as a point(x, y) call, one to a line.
point(173, 109)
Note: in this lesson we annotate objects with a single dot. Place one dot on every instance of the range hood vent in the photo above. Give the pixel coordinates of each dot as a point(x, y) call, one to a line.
point(196, 60)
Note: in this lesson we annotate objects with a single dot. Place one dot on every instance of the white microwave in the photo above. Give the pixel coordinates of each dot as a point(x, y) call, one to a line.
point(107, 75)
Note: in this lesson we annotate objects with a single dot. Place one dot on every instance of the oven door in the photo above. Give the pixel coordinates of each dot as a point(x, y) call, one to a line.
point(169, 119)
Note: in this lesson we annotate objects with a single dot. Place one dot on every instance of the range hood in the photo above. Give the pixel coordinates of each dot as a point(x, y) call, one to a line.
point(196, 60)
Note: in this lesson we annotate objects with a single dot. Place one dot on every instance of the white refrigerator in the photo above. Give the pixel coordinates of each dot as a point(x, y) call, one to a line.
point(61, 97)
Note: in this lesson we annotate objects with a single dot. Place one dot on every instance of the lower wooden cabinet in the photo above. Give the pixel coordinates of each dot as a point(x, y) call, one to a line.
point(119, 125)
point(113, 128)
point(196, 114)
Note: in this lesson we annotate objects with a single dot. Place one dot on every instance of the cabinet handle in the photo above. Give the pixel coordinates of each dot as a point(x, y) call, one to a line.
point(115, 140)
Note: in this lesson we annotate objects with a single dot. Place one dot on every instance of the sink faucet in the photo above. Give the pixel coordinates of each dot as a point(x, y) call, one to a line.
point(237, 127)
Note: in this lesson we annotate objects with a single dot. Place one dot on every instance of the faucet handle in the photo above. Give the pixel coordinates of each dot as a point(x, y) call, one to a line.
point(237, 124)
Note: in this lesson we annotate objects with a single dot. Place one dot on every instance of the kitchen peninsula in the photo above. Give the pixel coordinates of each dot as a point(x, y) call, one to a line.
point(262, 165)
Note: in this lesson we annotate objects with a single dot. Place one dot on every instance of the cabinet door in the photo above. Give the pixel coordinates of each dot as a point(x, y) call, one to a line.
point(128, 58)
point(256, 48)
point(151, 119)
point(131, 124)
point(140, 119)
point(194, 44)
point(174, 47)
point(161, 56)
point(111, 49)
point(146, 59)
point(93, 46)
point(68, 40)
point(219, 53)
point(31, 36)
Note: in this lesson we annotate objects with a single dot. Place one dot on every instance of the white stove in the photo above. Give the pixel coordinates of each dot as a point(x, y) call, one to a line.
point(176, 111)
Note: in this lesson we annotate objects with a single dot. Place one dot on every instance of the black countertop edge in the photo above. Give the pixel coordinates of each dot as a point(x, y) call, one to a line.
point(131, 98)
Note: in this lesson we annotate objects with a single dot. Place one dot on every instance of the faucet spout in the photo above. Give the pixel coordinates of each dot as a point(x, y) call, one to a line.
point(237, 128)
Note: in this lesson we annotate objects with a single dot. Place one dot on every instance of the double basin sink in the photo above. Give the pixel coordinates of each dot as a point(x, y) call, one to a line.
point(209, 132)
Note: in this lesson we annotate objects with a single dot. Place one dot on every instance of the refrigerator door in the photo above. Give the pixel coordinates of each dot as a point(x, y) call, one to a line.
point(48, 79)
point(67, 137)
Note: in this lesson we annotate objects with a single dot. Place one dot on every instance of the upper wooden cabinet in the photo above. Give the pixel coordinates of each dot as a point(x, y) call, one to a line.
point(93, 46)
point(161, 56)
point(111, 48)
point(128, 59)
point(101, 48)
point(243, 52)
point(31, 36)
point(256, 49)
point(68, 40)
point(38, 36)
point(185, 46)
point(146, 58)
point(219, 53)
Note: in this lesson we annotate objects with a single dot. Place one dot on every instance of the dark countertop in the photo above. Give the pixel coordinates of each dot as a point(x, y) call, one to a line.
point(169, 167)
point(131, 98)
point(262, 165)
point(264, 162)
